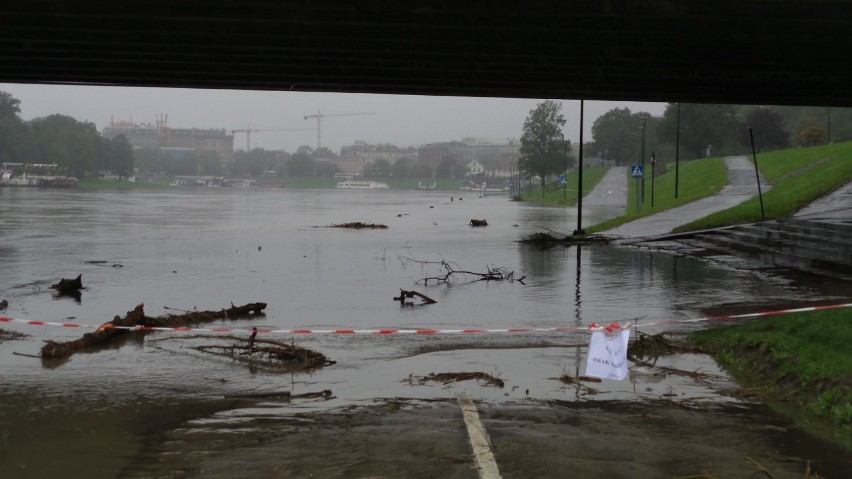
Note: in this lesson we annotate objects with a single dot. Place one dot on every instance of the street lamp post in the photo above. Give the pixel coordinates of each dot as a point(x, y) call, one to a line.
point(642, 162)
point(653, 163)
point(565, 144)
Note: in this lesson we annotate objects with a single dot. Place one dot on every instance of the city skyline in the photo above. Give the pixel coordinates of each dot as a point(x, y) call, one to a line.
point(401, 120)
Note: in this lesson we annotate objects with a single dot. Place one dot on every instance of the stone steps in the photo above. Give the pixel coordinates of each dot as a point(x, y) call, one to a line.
point(823, 247)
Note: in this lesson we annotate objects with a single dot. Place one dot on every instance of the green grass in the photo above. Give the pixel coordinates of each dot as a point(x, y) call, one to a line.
point(802, 358)
point(776, 164)
point(591, 177)
point(801, 178)
point(697, 179)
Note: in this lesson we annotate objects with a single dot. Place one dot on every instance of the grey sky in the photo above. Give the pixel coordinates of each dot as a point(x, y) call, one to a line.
point(397, 119)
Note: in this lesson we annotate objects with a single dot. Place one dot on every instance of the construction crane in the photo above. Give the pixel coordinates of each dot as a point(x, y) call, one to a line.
point(320, 115)
point(248, 131)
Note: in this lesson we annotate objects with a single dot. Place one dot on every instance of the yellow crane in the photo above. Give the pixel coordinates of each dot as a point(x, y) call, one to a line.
point(320, 115)
point(248, 131)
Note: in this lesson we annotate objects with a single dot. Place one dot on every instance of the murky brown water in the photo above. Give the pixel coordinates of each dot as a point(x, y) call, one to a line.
point(207, 248)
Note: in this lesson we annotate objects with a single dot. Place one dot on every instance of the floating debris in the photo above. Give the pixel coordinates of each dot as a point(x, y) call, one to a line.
point(446, 378)
point(359, 226)
point(266, 352)
point(108, 331)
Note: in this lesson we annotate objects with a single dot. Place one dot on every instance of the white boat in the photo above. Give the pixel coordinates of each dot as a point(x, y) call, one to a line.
point(32, 174)
point(362, 185)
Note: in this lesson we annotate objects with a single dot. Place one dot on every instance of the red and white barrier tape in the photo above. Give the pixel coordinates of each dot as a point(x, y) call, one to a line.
point(591, 327)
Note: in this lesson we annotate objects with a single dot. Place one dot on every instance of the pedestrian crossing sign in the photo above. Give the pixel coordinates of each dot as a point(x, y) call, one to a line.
point(637, 171)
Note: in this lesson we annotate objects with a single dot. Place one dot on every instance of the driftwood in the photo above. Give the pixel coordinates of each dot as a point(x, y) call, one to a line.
point(447, 378)
point(324, 394)
point(267, 352)
point(493, 274)
point(478, 223)
point(109, 331)
point(69, 285)
point(547, 240)
point(359, 226)
point(403, 294)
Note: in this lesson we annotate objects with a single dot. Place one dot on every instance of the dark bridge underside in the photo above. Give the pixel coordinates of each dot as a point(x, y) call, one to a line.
point(719, 51)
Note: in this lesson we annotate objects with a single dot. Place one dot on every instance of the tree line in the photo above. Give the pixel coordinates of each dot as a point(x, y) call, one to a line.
point(623, 137)
point(74, 145)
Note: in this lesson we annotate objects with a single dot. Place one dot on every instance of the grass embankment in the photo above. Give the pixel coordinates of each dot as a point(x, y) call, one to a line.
point(800, 363)
point(799, 176)
point(566, 196)
point(697, 179)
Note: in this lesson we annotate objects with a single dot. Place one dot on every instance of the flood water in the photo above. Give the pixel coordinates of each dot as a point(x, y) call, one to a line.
point(186, 249)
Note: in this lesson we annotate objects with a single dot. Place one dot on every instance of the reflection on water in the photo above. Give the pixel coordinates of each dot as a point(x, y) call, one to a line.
point(205, 249)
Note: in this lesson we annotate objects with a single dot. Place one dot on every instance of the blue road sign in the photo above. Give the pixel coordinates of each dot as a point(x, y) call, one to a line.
point(637, 171)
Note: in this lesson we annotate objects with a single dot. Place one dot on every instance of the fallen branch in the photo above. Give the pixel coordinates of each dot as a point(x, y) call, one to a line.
point(109, 331)
point(410, 294)
point(495, 274)
point(267, 352)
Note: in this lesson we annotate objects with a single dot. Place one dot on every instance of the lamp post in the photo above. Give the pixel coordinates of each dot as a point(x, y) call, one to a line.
point(565, 144)
point(579, 230)
point(677, 151)
point(653, 163)
point(642, 162)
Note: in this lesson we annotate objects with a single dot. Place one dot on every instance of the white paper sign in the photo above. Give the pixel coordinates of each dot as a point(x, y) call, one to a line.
point(608, 354)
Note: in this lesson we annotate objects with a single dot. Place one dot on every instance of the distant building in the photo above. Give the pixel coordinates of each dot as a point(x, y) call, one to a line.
point(355, 158)
point(492, 157)
point(177, 142)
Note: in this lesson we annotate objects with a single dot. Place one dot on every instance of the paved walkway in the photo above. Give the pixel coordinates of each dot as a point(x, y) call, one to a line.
point(836, 205)
point(742, 186)
point(611, 191)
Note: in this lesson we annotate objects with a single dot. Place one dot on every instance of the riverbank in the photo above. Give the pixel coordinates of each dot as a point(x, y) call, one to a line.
point(800, 364)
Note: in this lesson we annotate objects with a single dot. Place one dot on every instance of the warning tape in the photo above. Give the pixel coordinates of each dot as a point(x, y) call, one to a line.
point(592, 327)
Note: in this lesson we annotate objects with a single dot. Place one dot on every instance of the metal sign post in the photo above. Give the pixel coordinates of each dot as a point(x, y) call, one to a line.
point(638, 172)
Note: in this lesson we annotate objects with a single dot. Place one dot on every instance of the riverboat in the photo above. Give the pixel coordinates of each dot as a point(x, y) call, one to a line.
point(362, 185)
point(35, 175)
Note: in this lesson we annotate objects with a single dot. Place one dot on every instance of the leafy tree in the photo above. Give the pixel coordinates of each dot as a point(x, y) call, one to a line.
point(422, 170)
point(322, 152)
point(543, 148)
point(117, 156)
point(618, 135)
point(67, 142)
point(209, 163)
point(326, 169)
point(15, 144)
point(9, 105)
point(403, 167)
point(446, 167)
point(305, 150)
point(379, 168)
point(702, 126)
point(814, 135)
point(767, 125)
point(460, 170)
point(301, 164)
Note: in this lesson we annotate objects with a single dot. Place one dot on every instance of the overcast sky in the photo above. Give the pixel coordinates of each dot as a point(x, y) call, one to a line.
point(397, 119)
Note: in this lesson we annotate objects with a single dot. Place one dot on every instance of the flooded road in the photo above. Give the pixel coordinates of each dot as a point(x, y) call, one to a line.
point(185, 249)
